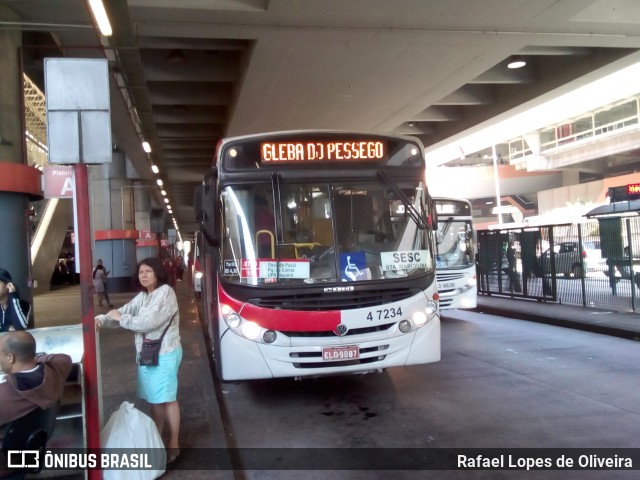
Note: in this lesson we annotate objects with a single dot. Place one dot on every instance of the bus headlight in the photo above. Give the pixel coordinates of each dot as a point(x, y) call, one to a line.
point(246, 328)
point(432, 307)
point(467, 303)
point(471, 281)
point(405, 326)
point(269, 336)
point(233, 320)
point(419, 318)
point(250, 330)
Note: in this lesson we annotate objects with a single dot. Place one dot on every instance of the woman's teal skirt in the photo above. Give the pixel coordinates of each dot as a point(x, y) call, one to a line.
point(160, 384)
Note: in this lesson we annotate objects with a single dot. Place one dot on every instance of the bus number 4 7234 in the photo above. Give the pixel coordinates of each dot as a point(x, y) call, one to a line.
point(384, 314)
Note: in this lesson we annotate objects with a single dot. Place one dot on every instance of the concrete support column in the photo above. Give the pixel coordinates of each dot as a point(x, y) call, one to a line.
point(14, 175)
point(147, 245)
point(114, 222)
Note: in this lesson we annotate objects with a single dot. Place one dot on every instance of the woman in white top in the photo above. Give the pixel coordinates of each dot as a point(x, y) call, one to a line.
point(147, 315)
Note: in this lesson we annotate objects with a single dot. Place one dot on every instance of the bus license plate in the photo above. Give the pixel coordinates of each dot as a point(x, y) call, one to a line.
point(334, 354)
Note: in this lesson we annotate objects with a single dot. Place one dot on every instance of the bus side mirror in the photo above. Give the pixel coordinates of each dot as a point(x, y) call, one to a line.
point(204, 204)
point(212, 241)
point(434, 217)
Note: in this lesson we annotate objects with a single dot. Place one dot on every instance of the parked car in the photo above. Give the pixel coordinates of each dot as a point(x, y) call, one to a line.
point(569, 258)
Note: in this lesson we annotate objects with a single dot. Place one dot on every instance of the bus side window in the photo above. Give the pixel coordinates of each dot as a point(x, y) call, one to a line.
point(354, 216)
point(322, 231)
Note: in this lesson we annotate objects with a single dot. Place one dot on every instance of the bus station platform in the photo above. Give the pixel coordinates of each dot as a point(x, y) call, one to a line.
point(597, 320)
point(201, 423)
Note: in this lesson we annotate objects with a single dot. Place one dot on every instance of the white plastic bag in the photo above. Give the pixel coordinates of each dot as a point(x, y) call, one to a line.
point(129, 428)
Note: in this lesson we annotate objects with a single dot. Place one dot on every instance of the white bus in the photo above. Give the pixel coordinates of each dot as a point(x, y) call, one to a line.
point(455, 254)
point(318, 255)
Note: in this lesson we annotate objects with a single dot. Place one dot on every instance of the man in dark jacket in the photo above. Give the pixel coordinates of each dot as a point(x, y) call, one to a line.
point(30, 382)
point(15, 312)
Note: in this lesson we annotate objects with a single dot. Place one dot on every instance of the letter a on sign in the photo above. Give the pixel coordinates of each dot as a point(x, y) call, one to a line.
point(67, 188)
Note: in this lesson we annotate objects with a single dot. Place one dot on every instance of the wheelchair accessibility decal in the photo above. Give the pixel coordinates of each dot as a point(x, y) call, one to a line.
point(353, 266)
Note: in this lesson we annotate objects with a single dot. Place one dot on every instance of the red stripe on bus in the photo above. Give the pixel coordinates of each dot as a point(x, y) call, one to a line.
point(283, 320)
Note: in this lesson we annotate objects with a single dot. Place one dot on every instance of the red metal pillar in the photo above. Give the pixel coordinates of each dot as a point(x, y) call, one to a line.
point(90, 363)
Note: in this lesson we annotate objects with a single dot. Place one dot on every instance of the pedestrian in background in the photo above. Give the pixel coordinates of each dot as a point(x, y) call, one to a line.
point(169, 271)
point(15, 311)
point(100, 283)
point(179, 267)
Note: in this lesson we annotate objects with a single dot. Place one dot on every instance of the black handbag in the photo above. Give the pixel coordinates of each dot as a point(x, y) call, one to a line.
point(150, 353)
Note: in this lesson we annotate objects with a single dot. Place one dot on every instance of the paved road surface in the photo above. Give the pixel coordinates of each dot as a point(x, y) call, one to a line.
point(501, 383)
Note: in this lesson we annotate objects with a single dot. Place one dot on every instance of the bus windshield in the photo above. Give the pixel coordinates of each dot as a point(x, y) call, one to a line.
point(323, 232)
point(454, 244)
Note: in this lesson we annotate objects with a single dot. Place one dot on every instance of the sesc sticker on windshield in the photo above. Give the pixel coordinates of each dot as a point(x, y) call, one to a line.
point(404, 260)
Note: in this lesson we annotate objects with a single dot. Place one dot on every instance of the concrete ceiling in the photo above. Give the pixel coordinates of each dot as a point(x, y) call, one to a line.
point(196, 70)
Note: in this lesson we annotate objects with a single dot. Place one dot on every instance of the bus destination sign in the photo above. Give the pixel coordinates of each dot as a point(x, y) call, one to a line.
point(317, 151)
point(452, 207)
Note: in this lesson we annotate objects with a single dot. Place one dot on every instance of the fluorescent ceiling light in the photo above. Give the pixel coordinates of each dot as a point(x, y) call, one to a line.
point(146, 147)
point(154, 168)
point(166, 200)
point(516, 62)
point(163, 192)
point(100, 15)
point(159, 182)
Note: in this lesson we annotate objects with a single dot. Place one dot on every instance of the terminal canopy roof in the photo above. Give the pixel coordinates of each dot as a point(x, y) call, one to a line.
point(627, 208)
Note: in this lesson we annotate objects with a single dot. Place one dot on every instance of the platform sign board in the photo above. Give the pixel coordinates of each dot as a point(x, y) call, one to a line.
point(58, 182)
point(78, 110)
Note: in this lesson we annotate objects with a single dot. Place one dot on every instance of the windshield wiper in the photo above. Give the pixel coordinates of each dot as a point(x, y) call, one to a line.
point(413, 213)
point(445, 229)
point(276, 180)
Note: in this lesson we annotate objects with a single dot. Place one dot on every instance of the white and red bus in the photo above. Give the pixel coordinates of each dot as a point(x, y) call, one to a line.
point(455, 254)
point(318, 255)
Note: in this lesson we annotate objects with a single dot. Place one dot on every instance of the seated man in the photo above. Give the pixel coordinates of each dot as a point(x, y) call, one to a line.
point(30, 382)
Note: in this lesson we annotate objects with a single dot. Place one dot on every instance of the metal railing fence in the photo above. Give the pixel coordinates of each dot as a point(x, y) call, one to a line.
point(594, 263)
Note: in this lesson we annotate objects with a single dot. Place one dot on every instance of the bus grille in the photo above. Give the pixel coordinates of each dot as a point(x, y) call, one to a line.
point(447, 277)
point(381, 350)
point(354, 331)
point(334, 301)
